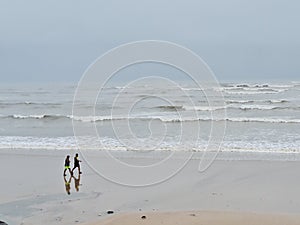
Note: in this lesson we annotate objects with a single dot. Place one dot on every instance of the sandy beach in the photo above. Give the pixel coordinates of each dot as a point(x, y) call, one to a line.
point(235, 190)
point(202, 217)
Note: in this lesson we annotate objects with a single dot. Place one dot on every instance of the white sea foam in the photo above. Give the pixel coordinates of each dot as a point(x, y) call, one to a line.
point(272, 101)
point(162, 118)
point(254, 92)
point(29, 116)
point(106, 143)
point(239, 101)
point(263, 120)
point(204, 108)
point(258, 107)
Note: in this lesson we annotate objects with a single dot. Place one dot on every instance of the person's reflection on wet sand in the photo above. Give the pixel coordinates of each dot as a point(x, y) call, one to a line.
point(68, 185)
point(77, 182)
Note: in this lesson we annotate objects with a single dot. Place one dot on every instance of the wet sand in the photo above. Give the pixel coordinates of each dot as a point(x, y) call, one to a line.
point(33, 192)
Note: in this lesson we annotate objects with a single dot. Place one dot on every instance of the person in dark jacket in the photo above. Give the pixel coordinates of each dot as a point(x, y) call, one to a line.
point(76, 164)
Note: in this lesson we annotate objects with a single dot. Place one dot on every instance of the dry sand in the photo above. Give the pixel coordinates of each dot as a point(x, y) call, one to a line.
point(200, 218)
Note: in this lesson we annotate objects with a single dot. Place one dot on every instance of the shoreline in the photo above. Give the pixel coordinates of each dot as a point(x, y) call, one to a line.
point(221, 156)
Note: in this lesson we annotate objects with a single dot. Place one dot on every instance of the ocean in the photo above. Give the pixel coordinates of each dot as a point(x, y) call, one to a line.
point(260, 117)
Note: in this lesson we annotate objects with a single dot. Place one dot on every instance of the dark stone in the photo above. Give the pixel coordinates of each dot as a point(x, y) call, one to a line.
point(2, 223)
point(110, 212)
point(143, 217)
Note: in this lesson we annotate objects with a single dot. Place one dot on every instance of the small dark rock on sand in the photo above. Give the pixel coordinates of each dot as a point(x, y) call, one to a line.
point(110, 212)
point(143, 217)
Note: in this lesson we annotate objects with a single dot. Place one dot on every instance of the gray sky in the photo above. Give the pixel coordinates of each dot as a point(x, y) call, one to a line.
point(55, 41)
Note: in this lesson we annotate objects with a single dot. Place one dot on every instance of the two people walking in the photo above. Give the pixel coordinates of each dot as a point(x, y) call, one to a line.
point(76, 165)
point(68, 167)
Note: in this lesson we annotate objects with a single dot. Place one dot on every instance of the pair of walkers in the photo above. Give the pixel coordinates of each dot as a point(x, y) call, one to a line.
point(76, 165)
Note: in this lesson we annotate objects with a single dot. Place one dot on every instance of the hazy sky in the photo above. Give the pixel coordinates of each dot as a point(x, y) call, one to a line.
point(55, 41)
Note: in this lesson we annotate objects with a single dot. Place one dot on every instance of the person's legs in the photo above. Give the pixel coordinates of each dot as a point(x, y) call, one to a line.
point(67, 168)
point(75, 168)
point(70, 172)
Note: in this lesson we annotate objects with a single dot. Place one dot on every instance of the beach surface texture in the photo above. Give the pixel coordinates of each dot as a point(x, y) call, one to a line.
point(231, 191)
point(201, 217)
